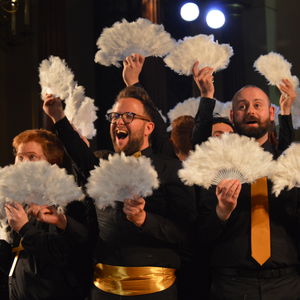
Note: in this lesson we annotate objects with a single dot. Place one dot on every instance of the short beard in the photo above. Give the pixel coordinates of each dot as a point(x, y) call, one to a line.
point(133, 145)
point(251, 132)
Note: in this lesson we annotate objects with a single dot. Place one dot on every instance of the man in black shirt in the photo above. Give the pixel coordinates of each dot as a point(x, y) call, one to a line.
point(142, 238)
point(225, 221)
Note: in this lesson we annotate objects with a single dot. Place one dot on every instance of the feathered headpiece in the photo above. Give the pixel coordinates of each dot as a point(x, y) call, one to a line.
point(286, 170)
point(37, 182)
point(124, 38)
point(229, 156)
point(57, 79)
point(121, 177)
point(274, 67)
point(200, 48)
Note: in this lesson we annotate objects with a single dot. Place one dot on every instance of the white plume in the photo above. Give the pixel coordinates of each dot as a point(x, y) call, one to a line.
point(81, 112)
point(121, 177)
point(286, 170)
point(229, 156)
point(37, 182)
point(162, 116)
point(223, 109)
point(124, 38)
point(5, 231)
point(296, 110)
point(200, 48)
point(275, 68)
point(56, 78)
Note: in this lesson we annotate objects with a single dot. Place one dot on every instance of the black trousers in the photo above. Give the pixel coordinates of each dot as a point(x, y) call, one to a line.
point(168, 294)
point(226, 287)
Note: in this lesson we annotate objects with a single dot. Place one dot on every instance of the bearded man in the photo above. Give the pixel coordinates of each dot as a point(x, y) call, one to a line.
point(141, 238)
point(228, 219)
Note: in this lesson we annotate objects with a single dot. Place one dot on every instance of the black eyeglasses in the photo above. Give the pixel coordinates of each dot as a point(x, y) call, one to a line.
point(127, 117)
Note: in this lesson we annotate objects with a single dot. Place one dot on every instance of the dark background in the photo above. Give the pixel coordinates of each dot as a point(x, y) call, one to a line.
point(70, 28)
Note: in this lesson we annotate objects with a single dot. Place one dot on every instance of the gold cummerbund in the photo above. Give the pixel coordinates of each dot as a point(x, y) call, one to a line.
point(132, 281)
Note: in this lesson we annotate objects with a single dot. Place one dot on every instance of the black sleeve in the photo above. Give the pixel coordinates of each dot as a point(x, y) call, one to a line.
point(203, 121)
point(6, 256)
point(209, 226)
point(286, 132)
point(160, 140)
point(79, 152)
point(174, 227)
point(53, 246)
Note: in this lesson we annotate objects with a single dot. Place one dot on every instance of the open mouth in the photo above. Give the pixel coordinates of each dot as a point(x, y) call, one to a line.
point(121, 134)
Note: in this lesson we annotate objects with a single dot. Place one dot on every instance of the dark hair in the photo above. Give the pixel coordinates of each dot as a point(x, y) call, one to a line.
point(218, 119)
point(181, 134)
point(141, 95)
point(51, 145)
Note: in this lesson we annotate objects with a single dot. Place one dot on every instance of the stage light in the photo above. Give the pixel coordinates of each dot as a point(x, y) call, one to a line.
point(189, 11)
point(215, 18)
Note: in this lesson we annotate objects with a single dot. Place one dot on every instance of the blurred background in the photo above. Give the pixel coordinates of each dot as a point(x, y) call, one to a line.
point(32, 30)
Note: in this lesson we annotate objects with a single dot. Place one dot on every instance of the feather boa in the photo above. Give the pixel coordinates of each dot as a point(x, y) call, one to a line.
point(286, 173)
point(229, 156)
point(121, 177)
point(124, 38)
point(274, 67)
point(200, 48)
point(37, 182)
point(56, 78)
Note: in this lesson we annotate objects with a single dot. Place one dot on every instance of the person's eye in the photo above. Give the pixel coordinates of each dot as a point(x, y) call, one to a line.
point(257, 105)
point(32, 157)
point(242, 107)
point(20, 158)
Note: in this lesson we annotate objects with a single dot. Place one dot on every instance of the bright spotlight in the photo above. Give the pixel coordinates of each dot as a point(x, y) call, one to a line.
point(189, 11)
point(215, 18)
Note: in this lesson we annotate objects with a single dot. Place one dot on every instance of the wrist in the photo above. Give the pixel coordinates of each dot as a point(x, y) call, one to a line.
point(61, 222)
point(222, 214)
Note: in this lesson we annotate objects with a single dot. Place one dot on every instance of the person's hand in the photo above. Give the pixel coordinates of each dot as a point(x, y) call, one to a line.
point(227, 192)
point(134, 210)
point(53, 108)
point(16, 215)
point(287, 98)
point(205, 80)
point(48, 214)
point(132, 67)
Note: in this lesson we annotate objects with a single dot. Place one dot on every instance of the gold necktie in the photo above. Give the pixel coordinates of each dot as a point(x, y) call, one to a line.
point(260, 222)
point(137, 154)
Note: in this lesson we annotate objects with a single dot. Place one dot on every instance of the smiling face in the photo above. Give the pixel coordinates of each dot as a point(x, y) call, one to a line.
point(30, 151)
point(251, 113)
point(134, 136)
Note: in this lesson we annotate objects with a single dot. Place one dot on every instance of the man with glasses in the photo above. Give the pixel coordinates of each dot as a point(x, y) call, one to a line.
point(141, 238)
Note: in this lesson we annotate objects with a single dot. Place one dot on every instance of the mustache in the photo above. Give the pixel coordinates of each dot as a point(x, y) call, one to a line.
point(251, 119)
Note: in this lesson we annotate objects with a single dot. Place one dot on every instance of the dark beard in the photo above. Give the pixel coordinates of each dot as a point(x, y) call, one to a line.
point(134, 145)
point(252, 132)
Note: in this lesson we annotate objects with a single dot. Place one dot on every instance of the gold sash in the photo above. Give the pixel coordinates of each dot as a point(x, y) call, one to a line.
point(132, 281)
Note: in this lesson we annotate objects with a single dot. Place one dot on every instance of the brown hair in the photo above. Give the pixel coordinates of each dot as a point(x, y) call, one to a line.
point(51, 145)
point(181, 134)
point(141, 95)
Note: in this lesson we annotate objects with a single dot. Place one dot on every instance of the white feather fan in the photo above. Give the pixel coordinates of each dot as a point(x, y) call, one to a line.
point(5, 231)
point(56, 78)
point(274, 67)
point(287, 170)
point(37, 182)
point(124, 38)
point(200, 48)
point(229, 156)
point(121, 177)
point(81, 112)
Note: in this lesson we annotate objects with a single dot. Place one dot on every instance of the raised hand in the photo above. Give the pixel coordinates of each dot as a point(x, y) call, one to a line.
point(132, 67)
point(134, 210)
point(227, 192)
point(53, 108)
point(287, 98)
point(205, 80)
